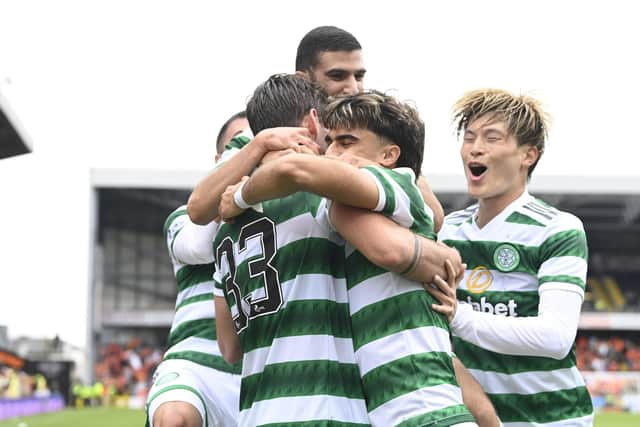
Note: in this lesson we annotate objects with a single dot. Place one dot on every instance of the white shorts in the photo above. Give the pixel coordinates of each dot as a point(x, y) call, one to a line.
point(215, 394)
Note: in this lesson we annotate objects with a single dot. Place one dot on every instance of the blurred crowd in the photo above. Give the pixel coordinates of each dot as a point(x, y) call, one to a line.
point(126, 370)
point(16, 384)
point(615, 353)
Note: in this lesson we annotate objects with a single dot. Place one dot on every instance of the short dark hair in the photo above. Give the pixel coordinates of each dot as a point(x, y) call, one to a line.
point(385, 116)
point(283, 100)
point(225, 126)
point(323, 39)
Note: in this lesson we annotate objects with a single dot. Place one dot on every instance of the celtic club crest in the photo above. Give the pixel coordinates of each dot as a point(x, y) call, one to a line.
point(506, 258)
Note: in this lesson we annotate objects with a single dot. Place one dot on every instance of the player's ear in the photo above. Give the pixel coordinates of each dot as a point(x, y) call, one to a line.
point(530, 155)
point(303, 74)
point(390, 155)
point(312, 123)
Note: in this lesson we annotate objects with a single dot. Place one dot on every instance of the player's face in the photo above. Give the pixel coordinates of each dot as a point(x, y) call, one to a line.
point(494, 165)
point(355, 143)
point(339, 73)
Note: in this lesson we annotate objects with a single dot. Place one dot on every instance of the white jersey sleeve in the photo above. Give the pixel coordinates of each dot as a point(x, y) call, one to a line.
point(549, 334)
point(194, 243)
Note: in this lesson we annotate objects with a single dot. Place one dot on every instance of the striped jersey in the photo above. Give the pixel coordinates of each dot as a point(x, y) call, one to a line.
point(193, 332)
point(281, 270)
point(527, 246)
point(235, 145)
point(403, 347)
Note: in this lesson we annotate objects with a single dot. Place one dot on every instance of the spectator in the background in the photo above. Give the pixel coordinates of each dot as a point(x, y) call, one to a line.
point(607, 354)
point(125, 370)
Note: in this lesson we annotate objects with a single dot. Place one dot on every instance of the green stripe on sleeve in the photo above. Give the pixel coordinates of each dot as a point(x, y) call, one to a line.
point(565, 243)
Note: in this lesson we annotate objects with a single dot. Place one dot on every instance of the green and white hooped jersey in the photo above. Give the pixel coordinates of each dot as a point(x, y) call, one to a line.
point(235, 145)
point(528, 246)
point(281, 270)
point(403, 347)
point(193, 332)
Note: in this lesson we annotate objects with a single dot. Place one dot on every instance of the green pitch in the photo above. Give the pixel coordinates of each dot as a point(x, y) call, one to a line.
point(94, 417)
point(614, 419)
point(108, 417)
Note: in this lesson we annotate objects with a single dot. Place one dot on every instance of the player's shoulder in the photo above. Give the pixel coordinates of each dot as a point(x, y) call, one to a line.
point(456, 218)
point(404, 171)
point(396, 181)
point(538, 213)
point(175, 219)
point(395, 174)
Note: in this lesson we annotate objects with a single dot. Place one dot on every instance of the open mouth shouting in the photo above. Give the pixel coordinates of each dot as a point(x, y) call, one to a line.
point(476, 171)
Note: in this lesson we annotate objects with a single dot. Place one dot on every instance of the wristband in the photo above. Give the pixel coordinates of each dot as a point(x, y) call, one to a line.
point(238, 199)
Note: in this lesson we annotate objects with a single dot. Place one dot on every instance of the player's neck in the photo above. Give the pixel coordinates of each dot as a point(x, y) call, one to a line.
point(490, 207)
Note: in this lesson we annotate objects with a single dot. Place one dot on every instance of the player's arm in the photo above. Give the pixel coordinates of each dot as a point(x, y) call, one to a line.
point(394, 247)
point(226, 334)
point(552, 332)
point(331, 178)
point(193, 244)
point(549, 334)
point(432, 201)
point(205, 198)
point(391, 246)
point(474, 397)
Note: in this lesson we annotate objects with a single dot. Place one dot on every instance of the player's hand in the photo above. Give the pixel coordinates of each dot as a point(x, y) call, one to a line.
point(283, 138)
point(228, 208)
point(445, 292)
point(456, 261)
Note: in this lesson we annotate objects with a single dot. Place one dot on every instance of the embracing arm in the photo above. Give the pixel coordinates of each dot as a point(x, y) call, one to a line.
point(432, 201)
point(226, 334)
point(327, 177)
point(205, 198)
point(391, 246)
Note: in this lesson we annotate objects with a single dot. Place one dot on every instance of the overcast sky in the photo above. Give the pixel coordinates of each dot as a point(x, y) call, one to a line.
point(140, 84)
